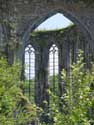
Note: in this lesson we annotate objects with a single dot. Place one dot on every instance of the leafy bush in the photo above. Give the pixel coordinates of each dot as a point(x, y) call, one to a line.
point(15, 108)
point(75, 107)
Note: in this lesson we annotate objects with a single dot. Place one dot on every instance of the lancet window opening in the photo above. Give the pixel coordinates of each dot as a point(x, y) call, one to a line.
point(54, 68)
point(29, 85)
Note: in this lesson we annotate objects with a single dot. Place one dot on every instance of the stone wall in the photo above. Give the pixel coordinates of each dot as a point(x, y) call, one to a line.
point(26, 15)
point(68, 41)
point(18, 19)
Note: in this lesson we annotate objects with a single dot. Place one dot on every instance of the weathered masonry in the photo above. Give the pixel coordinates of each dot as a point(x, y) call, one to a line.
point(19, 18)
point(66, 43)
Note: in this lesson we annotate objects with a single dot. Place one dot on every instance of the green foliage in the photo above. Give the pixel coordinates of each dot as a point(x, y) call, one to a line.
point(53, 84)
point(32, 88)
point(77, 97)
point(75, 107)
point(15, 108)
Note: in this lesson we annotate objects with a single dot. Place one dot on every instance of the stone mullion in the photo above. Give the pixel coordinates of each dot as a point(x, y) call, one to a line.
point(75, 49)
point(61, 82)
point(64, 62)
point(37, 76)
point(88, 55)
point(44, 76)
point(41, 78)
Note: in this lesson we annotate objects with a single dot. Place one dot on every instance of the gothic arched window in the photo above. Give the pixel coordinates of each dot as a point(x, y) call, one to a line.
point(29, 85)
point(53, 68)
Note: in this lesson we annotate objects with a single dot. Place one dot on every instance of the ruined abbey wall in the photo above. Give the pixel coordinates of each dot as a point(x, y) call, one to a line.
point(19, 18)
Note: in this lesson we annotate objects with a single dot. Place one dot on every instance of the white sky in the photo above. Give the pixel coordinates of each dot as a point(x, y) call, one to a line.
point(57, 21)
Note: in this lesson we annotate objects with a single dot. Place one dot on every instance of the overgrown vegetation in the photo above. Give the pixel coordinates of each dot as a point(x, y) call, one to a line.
point(15, 108)
point(32, 88)
point(74, 107)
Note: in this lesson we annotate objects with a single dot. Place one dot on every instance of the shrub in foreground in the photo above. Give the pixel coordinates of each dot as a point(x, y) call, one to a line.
point(15, 108)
